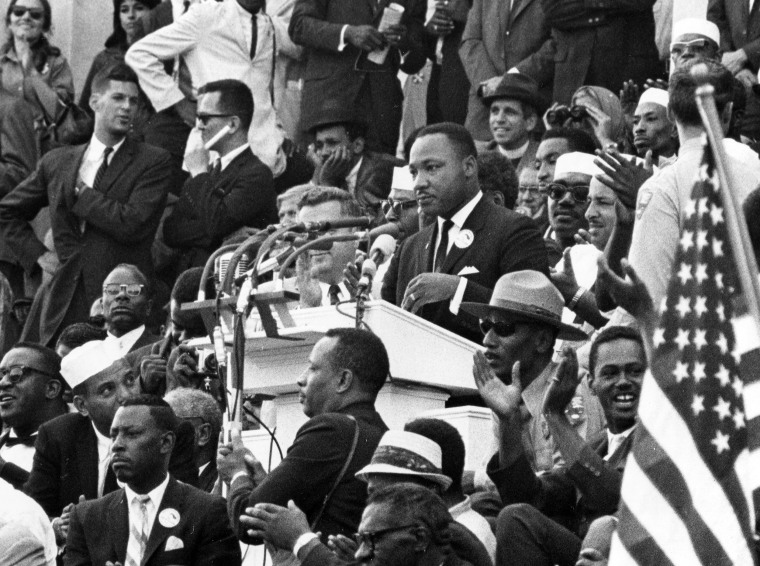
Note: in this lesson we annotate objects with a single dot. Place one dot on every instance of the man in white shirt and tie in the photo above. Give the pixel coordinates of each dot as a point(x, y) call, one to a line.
point(166, 521)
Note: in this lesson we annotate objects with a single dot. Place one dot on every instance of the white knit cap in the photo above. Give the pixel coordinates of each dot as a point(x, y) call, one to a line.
point(576, 162)
point(86, 361)
point(402, 179)
point(696, 25)
point(655, 96)
point(406, 453)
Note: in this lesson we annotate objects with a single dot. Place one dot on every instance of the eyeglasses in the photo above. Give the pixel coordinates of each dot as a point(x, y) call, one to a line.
point(678, 48)
point(132, 290)
point(204, 118)
point(503, 329)
point(34, 13)
point(371, 538)
point(557, 192)
point(528, 188)
point(397, 205)
point(17, 373)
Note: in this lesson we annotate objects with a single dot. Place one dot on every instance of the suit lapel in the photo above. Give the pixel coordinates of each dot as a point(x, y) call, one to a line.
point(118, 525)
point(158, 534)
point(474, 223)
point(517, 7)
point(87, 461)
point(121, 159)
point(427, 252)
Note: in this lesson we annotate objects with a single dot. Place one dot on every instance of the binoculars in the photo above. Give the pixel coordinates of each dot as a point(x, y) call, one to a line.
point(562, 114)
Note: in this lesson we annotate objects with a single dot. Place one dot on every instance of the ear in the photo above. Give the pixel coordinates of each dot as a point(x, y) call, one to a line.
point(346, 381)
point(591, 380)
point(498, 198)
point(204, 434)
point(544, 340)
point(358, 145)
point(470, 166)
point(423, 540)
point(81, 405)
point(94, 98)
point(236, 124)
point(532, 122)
point(53, 389)
point(167, 442)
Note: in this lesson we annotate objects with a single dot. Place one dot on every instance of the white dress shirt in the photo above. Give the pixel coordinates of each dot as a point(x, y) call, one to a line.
point(353, 176)
point(93, 157)
point(104, 458)
point(156, 495)
point(615, 440)
point(227, 158)
point(458, 219)
point(19, 454)
point(125, 342)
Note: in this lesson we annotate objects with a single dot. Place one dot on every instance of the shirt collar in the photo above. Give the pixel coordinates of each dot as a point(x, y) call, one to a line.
point(460, 508)
point(230, 155)
point(353, 175)
point(156, 494)
point(126, 341)
point(625, 434)
point(514, 153)
point(97, 147)
point(461, 215)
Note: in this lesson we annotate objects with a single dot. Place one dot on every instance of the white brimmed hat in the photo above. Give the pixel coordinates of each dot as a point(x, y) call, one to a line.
point(528, 295)
point(87, 360)
point(576, 162)
point(407, 453)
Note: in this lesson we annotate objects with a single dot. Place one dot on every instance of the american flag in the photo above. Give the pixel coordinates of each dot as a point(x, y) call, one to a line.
point(687, 489)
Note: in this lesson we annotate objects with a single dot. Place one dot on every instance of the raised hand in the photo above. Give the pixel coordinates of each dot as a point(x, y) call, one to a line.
point(622, 175)
point(279, 525)
point(565, 280)
point(562, 386)
point(630, 293)
point(502, 399)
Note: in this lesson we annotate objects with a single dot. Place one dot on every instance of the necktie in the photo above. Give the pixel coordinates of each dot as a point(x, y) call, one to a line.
point(254, 36)
point(138, 530)
point(25, 440)
point(333, 293)
point(216, 168)
point(443, 245)
point(102, 169)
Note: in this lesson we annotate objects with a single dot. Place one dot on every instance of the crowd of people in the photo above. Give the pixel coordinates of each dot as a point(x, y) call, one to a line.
point(533, 175)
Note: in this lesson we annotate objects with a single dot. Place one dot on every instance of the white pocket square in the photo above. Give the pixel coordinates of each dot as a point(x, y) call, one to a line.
point(469, 270)
point(174, 543)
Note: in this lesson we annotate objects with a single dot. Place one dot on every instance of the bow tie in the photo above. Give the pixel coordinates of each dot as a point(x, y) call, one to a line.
point(25, 440)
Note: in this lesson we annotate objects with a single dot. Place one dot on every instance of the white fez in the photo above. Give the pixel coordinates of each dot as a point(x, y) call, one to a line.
point(655, 96)
point(696, 25)
point(86, 361)
point(576, 162)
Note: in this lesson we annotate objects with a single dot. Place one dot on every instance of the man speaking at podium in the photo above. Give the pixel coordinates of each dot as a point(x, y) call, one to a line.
point(346, 370)
point(473, 242)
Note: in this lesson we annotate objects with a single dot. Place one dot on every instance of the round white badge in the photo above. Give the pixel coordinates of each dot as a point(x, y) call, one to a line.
point(464, 239)
point(169, 518)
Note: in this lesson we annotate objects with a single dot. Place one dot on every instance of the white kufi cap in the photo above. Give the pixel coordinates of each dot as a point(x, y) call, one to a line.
point(576, 162)
point(655, 96)
point(696, 25)
point(87, 360)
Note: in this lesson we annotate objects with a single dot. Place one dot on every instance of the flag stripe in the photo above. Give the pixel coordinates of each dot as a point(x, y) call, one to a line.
point(745, 334)
point(667, 428)
point(752, 400)
point(640, 547)
point(747, 477)
point(653, 510)
point(619, 553)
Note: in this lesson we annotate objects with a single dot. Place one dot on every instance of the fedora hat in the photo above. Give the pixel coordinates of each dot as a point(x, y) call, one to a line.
point(527, 295)
point(515, 86)
point(333, 112)
point(408, 454)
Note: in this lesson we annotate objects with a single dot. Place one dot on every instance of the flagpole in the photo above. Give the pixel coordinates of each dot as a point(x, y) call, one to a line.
point(741, 247)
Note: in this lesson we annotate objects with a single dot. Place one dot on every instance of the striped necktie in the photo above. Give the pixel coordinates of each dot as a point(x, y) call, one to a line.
point(139, 530)
point(102, 169)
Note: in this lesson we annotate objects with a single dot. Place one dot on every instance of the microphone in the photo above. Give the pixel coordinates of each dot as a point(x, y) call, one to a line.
point(382, 248)
point(326, 225)
point(393, 229)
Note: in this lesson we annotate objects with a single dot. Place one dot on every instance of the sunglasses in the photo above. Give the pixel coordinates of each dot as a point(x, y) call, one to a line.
point(17, 373)
point(371, 538)
point(503, 329)
point(132, 290)
point(557, 192)
point(678, 48)
point(34, 13)
point(528, 188)
point(397, 205)
point(204, 118)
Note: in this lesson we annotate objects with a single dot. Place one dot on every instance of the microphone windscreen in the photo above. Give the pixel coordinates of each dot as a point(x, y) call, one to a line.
point(385, 244)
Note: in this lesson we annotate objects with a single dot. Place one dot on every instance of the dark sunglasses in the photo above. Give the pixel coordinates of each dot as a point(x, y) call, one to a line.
point(557, 192)
point(503, 329)
point(397, 205)
point(34, 13)
point(17, 373)
point(371, 538)
point(204, 118)
point(132, 290)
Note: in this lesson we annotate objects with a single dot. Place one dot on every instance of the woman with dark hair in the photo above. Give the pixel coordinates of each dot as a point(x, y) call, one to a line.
point(31, 68)
point(126, 17)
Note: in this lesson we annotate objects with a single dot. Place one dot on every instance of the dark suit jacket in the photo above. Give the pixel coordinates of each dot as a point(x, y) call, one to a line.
point(330, 74)
point(209, 476)
point(373, 181)
point(504, 241)
point(66, 462)
point(496, 39)
point(210, 209)
point(739, 28)
point(555, 493)
point(310, 469)
point(99, 530)
point(612, 41)
point(121, 216)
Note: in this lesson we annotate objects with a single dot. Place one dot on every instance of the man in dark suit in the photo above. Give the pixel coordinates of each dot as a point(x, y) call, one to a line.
point(127, 302)
point(105, 200)
point(474, 242)
point(235, 191)
point(347, 369)
point(72, 451)
point(545, 519)
point(346, 162)
point(337, 35)
point(154, 519)
point(499, 36)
